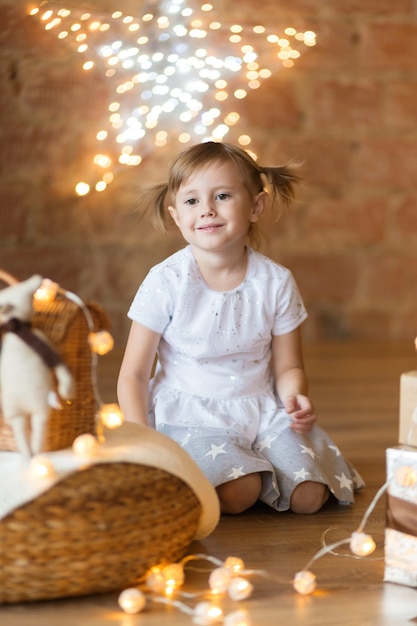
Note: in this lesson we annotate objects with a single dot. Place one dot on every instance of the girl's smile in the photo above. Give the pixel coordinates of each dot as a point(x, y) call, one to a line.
point(210, 228)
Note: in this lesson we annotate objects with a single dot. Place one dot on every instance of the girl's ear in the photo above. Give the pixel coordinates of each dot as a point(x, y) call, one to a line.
point(173, 214)
point(259, 202)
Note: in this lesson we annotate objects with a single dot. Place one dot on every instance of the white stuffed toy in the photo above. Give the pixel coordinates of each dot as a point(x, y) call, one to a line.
point(28, 364)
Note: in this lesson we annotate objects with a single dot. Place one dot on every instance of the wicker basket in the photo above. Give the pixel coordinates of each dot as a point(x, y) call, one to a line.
point(97, 530)
point(100, 528)
point(65, 324)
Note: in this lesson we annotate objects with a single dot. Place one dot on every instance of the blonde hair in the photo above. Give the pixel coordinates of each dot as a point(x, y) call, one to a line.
point(278, 181)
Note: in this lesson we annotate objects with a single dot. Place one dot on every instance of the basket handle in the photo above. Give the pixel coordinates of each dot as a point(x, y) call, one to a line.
point(8, 278)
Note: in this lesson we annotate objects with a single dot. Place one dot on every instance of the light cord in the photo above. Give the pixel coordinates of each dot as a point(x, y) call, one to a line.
point(371, 507)
point(90, 324)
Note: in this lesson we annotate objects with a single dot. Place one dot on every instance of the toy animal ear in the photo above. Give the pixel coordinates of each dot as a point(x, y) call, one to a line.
point(35, 281)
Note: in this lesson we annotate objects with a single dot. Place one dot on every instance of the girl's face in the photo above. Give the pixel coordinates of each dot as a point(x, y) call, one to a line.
point(213, 209)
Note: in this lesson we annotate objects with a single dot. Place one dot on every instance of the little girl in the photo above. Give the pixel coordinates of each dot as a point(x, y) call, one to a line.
point(224, 322)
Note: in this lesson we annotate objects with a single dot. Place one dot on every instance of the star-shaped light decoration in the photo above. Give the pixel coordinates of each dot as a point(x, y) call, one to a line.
point(177, 73)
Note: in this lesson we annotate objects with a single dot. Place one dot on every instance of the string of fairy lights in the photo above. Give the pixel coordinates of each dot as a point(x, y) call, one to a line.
point(176, 73)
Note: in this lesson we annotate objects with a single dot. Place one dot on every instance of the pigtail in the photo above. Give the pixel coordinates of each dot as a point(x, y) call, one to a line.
point(152, 201)
point(282, 181)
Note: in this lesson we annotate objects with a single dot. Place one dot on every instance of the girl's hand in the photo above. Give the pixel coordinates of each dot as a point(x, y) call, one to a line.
point(300, 409)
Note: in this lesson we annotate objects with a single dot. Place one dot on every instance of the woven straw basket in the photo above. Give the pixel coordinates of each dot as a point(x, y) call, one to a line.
point(65, 325)
point(96, 531)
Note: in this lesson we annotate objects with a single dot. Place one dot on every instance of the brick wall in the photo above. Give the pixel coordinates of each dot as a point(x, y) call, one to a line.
point(348, 110)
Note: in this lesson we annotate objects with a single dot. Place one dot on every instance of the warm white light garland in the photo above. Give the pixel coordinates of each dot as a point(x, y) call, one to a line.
point(162, 581)
point(85, 446)
point(231, 577)
point(176, 71)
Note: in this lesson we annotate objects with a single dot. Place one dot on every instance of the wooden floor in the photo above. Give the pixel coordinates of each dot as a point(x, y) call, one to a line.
point(356, 390)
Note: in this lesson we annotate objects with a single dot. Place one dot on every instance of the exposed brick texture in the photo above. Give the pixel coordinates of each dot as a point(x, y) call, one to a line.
point(347, 111)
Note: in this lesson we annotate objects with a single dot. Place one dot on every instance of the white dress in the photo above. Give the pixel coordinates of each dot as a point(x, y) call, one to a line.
point(213, 390)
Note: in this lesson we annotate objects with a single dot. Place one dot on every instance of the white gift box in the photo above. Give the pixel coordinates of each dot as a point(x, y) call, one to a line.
point(401, 523)
point(408, 409)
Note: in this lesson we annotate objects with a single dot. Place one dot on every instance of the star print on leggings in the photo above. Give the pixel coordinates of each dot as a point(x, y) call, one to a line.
point(216, 450)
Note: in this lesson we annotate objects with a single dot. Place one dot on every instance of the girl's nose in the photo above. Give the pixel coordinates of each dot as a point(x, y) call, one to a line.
point(207, 210)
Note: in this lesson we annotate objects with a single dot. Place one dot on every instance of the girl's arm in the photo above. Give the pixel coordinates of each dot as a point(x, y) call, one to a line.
point(291, 380)
point(135, 372)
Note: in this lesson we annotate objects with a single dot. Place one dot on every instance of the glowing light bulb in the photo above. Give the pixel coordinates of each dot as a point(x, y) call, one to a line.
point(234, 563)
point(304, 582)
point(239, 588)
point(219, 579)
point(41, 467)
point(240, 94)
point(405, 476)
point(244, 140)
point(102, 160)
point(47, 291)
point(206, 613)
point(82, 189)
point(232, 118)
point(362, 544)
point(132, 600)
point(173, 575)
point(155, 580)
point(310, 38)
point(111, 415)
point(101, 342)
point(85, 445)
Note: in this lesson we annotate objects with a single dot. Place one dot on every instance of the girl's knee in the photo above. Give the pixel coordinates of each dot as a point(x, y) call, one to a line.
point(238, 495)
point(309, 497)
